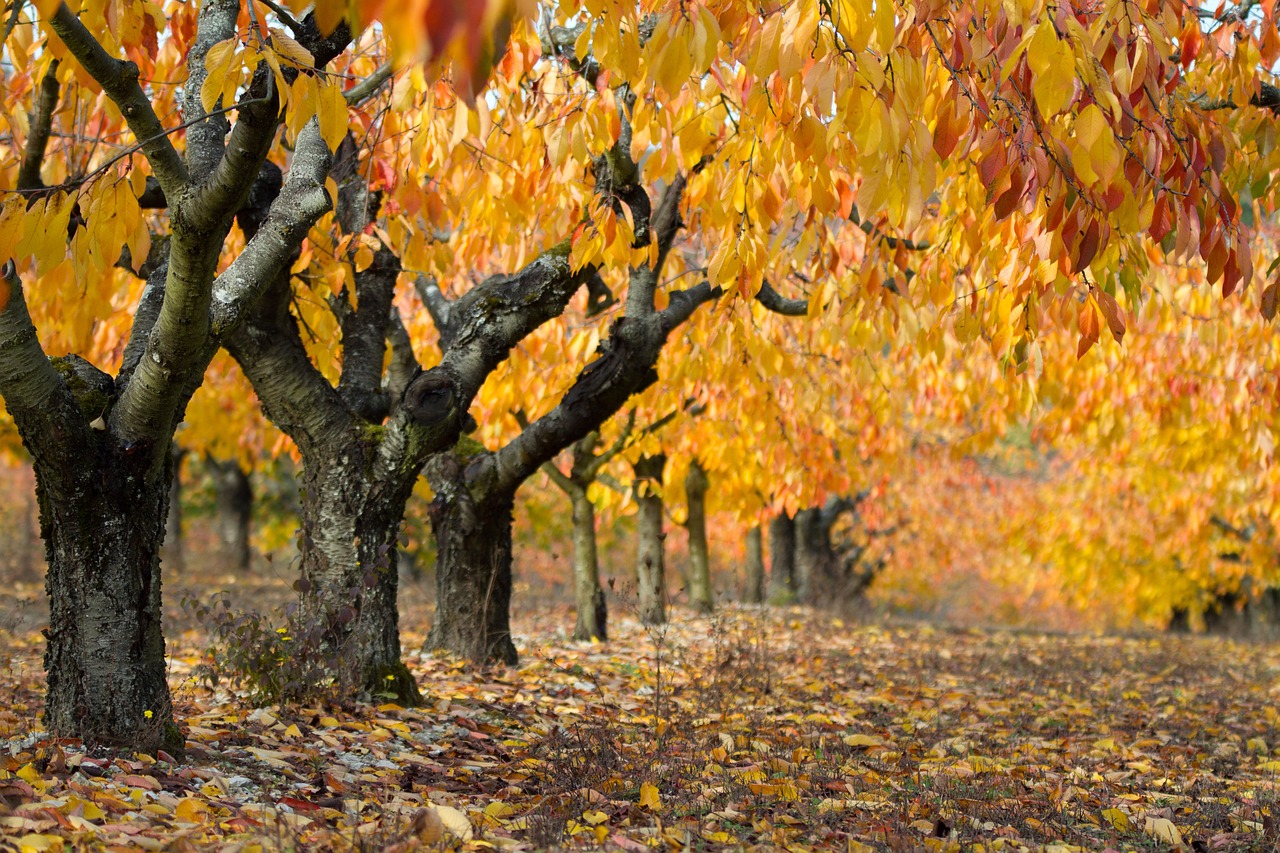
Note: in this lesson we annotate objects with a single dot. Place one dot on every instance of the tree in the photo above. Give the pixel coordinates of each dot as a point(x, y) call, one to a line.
point(588, 596)
point(101, 443)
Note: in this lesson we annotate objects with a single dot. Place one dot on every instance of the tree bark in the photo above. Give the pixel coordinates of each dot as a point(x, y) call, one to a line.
point(650, 559)
point(588, 597)
point(695, 488)
point(349, 567)
point(234, 510)
point(754, 593)
point(782, 559)
point(103, 519)
point(472, 527)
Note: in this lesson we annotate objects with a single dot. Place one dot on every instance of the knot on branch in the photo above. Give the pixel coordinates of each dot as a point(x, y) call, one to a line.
point(431, 399)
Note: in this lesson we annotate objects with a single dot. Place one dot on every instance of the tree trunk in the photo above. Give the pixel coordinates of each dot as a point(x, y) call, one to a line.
point(650, 560)
point(473, 564)
point(234, 510)
point(103, 523)
point(754, 593)
point(782, 559)
point(588, 596)
point(808, 554)
point(351, 522)
point(174, 552)
point(695, 487)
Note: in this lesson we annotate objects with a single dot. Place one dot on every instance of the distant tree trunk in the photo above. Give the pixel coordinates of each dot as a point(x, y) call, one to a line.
point(809, 554)
point(472, 528)
point(589, 599)
point(695, 487)
point(754, 593)
point(782, 559)
point(173, 554)
point(650, 559)
point(234, 510)
point(588, 596)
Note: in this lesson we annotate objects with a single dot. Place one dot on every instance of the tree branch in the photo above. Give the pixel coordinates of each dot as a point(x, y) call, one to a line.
point(438, 305)
point(302, 201)
point(369, 86)
point(364, 338)
point(404, 364)
point(15, 10)
point(119, 80)
point(488, 321)
point(779, 304)
point(684, 302)
point(226, 188)
point(40, 123)
point(35, 394)
point(205, 138)
point(144, 320)
point(295, 395)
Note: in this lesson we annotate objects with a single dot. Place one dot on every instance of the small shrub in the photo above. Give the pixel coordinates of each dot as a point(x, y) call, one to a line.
point(279, 658)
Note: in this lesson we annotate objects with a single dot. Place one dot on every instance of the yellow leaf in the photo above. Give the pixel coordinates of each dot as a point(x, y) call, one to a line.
point(649, 797)
point(1116, 818)
point(11, 214)
point(291, 50)
point(332, 112)
point(499, 809)
point(28, 773)
point(1162, 828)
point(1052, 64)
point(217, 62)
point(863, 740)
point(595, 817)
point(36, 843)
point(455, 822)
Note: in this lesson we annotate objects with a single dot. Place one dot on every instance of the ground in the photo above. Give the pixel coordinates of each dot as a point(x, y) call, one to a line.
point(773, 729)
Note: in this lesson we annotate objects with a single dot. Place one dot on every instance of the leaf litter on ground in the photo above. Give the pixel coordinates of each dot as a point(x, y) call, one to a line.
point(763, 729)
